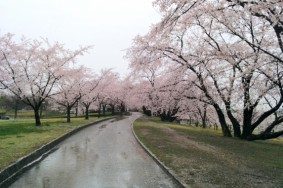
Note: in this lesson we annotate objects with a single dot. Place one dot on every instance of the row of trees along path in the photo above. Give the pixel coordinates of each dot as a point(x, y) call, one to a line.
point(220, 62)
point(34, 71)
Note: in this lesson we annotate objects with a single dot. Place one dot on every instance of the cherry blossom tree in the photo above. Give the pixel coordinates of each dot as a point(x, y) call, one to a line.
point(94, 88)
point(157, 90)
point(89, 94)
point(269, 12)
point(71, 89)
point(115, 96)
point(232, 57)
point(138, 97)
point(106, 90)
point(31, 69)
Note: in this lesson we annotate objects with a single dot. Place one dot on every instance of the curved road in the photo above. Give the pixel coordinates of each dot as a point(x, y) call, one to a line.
point(103, 155)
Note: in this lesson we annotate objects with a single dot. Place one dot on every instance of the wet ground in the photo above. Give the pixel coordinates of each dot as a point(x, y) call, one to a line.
point(104, 155)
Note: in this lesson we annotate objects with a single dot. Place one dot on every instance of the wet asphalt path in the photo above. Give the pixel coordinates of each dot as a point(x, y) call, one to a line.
point(104, 155)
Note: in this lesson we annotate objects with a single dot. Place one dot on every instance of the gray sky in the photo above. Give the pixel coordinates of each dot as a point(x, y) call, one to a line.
point(108, 25)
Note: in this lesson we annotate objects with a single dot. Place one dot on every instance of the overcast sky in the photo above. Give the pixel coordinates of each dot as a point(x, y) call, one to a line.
point(108, 25)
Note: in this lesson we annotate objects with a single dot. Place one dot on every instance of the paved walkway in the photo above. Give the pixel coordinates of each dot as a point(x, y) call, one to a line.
point(104, 155)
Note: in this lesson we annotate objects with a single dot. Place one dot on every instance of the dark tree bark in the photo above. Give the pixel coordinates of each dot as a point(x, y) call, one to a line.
point(69, 114)
point(146, 111)
point(264, 136)
point(123, 107)
point(169, 115)
point(225, 130)
point(203, 114)
point(40, 110)
point(99, 110)
point(103, 109)
point(112, 109)
point(87, 112)
point(37, 116)
point(204, 120)
point(16, 108)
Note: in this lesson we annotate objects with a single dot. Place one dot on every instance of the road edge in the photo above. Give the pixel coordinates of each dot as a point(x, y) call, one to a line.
point(10, 174)
point(167, 170)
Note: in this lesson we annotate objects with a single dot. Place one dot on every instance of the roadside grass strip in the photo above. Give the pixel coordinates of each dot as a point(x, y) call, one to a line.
point(20, 137)
point(203, 158)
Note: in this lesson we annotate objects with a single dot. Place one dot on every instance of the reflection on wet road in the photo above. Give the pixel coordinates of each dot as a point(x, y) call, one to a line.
point(104, 155)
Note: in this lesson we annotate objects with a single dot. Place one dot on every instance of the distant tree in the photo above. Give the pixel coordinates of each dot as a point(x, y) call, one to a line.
point(71, 89)
point(93, 87)
point(10, 102)
point(31, 69)
point(89, 95)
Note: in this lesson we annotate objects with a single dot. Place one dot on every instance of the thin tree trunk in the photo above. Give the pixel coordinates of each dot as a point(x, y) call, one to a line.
point(77, 109)
point(204, 122)
point(37, 117)
point(112, 109)
point(247, 122)
point(225, 130)
point(86, 112)
point(103, 109)
point(40, 111)
point(16, 109)
point(99, 110)
point(68, 114)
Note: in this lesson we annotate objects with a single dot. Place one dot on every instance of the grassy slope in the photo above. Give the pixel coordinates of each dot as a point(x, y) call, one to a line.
point(203, 158)
point(20, 137)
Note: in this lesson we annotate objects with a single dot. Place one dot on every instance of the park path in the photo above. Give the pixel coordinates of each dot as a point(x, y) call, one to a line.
point(104, 155)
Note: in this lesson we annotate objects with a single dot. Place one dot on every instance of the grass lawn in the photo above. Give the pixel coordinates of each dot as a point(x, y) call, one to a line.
point(20, 137)
point(203, 158)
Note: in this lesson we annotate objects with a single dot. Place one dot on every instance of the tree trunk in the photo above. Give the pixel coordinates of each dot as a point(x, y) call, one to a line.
point(204, 122)
point(123, 107)
point(247, 122)
point(146, 111)
point(264, 136)
point(204, 119)
point(37, 116)
point(112, 109)
point(235, 123)
point(99, 110)
point(225, 130)
point(16, 109)
point(196, 124)
point(40, 110)
point(203, 115)
point(163, 116)
point(77, 105)
point(103, 109)
point(86, 112)
point(68, 114)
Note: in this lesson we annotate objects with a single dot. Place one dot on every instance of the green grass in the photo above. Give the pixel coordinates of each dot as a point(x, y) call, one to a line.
point(203, 158)
point(20, 137)
point(45, 114)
